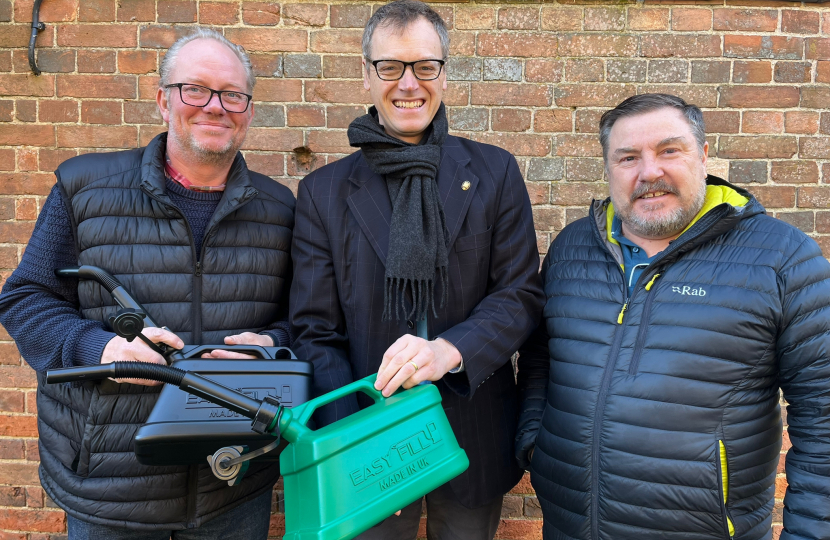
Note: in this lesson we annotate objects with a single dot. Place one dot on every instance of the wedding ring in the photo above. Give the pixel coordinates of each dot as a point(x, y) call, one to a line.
point(414, 365)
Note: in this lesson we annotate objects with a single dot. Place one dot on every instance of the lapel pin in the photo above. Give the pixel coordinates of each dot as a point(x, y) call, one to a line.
point(466, 185)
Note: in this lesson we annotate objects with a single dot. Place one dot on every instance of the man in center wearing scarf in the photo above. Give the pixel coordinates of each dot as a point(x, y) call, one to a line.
point(415, 258)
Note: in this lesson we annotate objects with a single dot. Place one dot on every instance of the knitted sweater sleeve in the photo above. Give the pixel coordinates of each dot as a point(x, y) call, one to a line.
point(41, 311)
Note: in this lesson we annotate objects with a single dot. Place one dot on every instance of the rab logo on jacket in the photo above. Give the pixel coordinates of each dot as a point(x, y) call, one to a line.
point(688, 291)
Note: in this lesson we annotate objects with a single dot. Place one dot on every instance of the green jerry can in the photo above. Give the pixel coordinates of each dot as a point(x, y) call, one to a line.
point(342, 479)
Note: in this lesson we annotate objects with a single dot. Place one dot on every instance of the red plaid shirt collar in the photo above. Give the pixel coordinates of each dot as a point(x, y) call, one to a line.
point(180, 179)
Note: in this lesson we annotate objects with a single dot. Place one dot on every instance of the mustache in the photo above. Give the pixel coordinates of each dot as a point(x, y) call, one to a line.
point(659, 185)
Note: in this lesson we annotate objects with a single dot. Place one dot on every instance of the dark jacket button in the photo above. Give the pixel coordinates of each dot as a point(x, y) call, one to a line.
point(410, 324)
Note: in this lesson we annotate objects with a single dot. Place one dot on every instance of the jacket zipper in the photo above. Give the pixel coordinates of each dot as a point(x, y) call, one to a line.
point(643, 330)
point(723, 490)
point(599, 411)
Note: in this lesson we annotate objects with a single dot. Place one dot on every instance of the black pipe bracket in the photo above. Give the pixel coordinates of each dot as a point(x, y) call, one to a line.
point(37, 26)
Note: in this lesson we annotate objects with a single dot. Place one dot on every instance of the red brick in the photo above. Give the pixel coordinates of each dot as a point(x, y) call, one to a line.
point(591, 95)
point(34, 497)
point(216, 13)
point(775, 196)
point(469, 18)
point(746, 20)
point(27, 159)
point(578, 145)
point(176, 11)
point(759, 96)
point(814, 148)
point(340, 116)
point(685, 46)
point(568, 194)
point(722, 121)
point(815, 97)
point(822, 226)
point(336, 92)
point(305, 14)
point(794, 172)
point(97, 11)
point(793, 72)
point(648, 19)
point(161, 37)
point(29, 183)
point(342, 67)
point(763, 122)
point(519, 18)
point(279, 90)
point(595, 45)
point(553, 120)
point(7, 207)
point(148, 133)
point(6, 161)
point(12, 496)
point(266, 65)
point(9, 260)
point(56, 60)
point(691, 20)
point(305, 116)
point(141, 112)
point(272, 139)
point(18, 376)
point(16, 134)
point(6, 110)
point(33, 520)
point(136, 10)
point(818, 49)
point(58, 111)
point(25, 210)
point(26, 110)
point(778, 47)
point(803, 122)
point(5, 61)
point(822, 72)
point(329, 142)
point(511, 119)
point(700, 95)
point(518, 144)
point(794, 21)
point(336, 41)
point(547, 218)
point(91, 35)
point(55, 11)
point(97, 86)
point(814, 197)
point(584, 70)
point(12, 400)
point(268, 39)
point(544, 70)
point(539, 193)
point(96, 61)
point(11, 449)
point(101, 112)
point(752, 71)
point(27, 85)
point(97, 136)
point(519, 528)
point(32, 450)
point(268, 164)
point(525, 44)
point(138, 62)
point(349, 16)
point(510, 94)
point(17, 35)
point(604, 18)
point(447, 15)
point(14, 425)
point(261, 13)
point(462, 43)
point(49, 158)
point(763, 147)
point(562, 19)
point(587, 120)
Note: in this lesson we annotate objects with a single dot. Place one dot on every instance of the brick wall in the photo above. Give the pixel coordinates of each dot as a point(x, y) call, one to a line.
point(531, 77)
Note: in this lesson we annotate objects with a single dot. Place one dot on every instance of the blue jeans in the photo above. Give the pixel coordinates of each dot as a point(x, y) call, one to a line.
point(248, 521)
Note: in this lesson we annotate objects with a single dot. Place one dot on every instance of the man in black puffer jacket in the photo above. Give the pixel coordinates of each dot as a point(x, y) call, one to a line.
point(203, 243)
point(675, 311)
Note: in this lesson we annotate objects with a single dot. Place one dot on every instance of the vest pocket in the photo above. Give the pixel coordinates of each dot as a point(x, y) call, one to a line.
point(81, 463)
point(723, 483)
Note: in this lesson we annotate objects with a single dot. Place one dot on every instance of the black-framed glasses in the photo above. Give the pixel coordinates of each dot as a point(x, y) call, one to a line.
point(199, 96)
point(392, 70)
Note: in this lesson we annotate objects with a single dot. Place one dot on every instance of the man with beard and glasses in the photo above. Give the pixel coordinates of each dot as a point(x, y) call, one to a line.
point(415, 258)
point(674, 314)
point(203, 243)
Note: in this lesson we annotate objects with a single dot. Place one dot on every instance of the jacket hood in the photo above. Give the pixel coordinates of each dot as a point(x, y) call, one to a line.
point(732, 202)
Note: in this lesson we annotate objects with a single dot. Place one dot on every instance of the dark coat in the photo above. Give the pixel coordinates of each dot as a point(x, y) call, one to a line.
point(124, 221)
point(340, 245)
point(664, 423)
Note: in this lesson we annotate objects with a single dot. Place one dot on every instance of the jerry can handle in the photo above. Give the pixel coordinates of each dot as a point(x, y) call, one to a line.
point(365, 385)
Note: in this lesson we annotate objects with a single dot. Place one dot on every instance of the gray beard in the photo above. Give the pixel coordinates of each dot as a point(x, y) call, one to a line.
point(202, 154)
point(662, 226)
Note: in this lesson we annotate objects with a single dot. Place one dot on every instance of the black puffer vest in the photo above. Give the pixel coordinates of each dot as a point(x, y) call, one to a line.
point(125, 223)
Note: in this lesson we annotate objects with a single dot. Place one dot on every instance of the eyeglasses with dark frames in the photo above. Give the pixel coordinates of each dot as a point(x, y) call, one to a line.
point(198, 96)
point(393, 70)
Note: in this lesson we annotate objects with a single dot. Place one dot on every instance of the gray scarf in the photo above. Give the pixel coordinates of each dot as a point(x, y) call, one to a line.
point(417, 234)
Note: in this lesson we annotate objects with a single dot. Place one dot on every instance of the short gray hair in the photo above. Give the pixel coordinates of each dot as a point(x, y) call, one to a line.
point(647, 103)
point(399, 15)
point(204, 33)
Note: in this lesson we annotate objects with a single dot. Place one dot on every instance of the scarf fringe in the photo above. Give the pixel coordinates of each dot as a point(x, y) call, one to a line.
point(423, 297)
